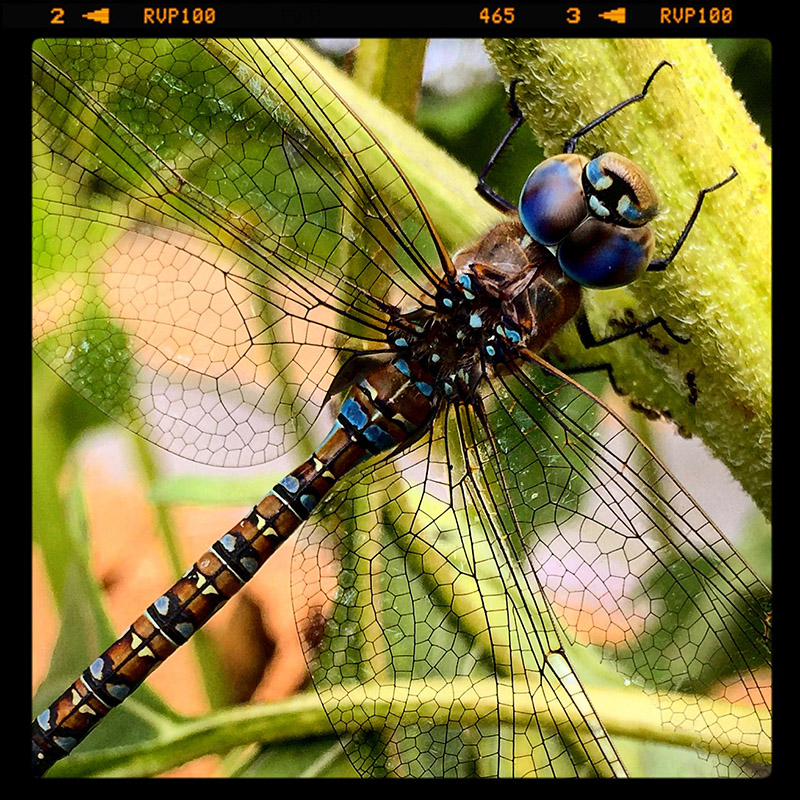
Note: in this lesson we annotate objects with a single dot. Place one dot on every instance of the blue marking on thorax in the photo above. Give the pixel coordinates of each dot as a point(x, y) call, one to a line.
point(402, 367)
point(466, 282)
point(425, 388)
point(475, 321)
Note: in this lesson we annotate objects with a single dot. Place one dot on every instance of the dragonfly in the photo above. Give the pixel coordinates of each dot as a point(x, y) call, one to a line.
point(308, 297)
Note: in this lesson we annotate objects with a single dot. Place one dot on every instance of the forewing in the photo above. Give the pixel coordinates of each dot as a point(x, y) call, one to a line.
point(212, 227)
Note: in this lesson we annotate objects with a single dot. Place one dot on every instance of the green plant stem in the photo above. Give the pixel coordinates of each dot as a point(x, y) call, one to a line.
point(215, 682)
point(391, 70)
point(626, 712)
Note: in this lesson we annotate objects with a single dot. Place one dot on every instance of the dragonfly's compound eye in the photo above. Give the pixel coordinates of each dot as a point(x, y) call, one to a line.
point(618, 191)
point(596, 212)
point(614, 245)
point(553, 201)
point(600, 255)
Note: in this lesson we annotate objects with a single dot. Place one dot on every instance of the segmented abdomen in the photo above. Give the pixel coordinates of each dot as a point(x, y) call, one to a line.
point(382, 412)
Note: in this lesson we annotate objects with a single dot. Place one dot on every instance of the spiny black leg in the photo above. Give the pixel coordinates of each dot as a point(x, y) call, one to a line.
point(604, 367)
point(589, 340)
point(662, 263)
point(483, 189)
point(569, 147)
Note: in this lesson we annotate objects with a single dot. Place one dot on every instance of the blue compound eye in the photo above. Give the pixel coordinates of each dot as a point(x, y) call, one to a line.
point(596, 212)
point(600, 255)
point(618, 191)
point(553, 202)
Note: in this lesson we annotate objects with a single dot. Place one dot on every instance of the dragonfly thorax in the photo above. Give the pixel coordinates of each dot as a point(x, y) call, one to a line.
point(508, 292)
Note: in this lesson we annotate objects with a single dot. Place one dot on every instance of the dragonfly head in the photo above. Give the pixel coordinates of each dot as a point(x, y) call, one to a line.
point(594, 212)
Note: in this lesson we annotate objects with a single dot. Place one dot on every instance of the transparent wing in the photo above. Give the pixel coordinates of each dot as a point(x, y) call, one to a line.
point(211, 226)
point(433, 653)
point(434, 594)
point(630, 563)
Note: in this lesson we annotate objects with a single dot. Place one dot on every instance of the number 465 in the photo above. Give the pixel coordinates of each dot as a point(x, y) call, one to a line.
point(498, 16)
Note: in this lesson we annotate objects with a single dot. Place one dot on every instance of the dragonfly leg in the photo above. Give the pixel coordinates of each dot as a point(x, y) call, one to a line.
point(589, 340)
point(569, 146)
point(662, 263)
point(483, 189)
point(604, 366)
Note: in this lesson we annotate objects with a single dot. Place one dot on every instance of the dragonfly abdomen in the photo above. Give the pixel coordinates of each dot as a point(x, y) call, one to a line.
point(379, 413)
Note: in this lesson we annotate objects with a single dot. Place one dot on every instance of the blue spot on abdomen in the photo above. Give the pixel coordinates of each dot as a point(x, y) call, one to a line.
point(378, 438)
point(353, 413)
